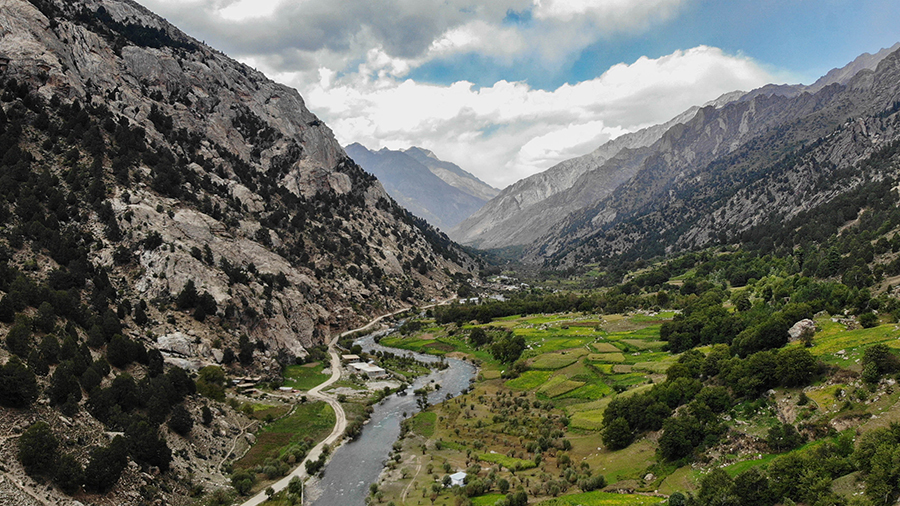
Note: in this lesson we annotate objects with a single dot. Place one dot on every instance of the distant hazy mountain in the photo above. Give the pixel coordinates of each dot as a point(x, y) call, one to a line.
point(452, 174)
point(535, 206)
point(437, 191)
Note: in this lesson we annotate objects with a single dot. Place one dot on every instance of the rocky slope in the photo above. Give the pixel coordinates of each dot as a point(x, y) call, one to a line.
point(529, 208)
point(753, 163)
point(440, 192)
point(163, 203)
point(257, 177)
point(536, 206)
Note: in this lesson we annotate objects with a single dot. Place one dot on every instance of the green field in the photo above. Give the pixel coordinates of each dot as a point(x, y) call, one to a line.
point(554, 361)
point(304, 377)
point(423, 423)
point(529, 380)
point(589, 420)
point(314, 420)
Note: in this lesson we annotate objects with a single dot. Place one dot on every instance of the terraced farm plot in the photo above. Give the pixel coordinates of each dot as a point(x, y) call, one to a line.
point(554, 361)
point(621, 368)
point(643, 344)
point(833, 338)
point(549, 344)
point(588, 420)
point(657, 367)
point(616, 358)
point(560, 388)
point(605, 348)
point(313, 419)
point(590, 391)
point(529, 380)
point(825, 397)
point(487, 499)
point(423, 423)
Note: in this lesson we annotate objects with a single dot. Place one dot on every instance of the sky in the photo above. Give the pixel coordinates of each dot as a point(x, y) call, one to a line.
point(509, 88)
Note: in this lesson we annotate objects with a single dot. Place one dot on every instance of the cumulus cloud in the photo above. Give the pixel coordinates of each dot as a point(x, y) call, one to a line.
point(509, 130)
point(352, 61)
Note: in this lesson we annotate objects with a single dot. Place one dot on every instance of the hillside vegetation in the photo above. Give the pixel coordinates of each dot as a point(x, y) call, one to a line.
point(682, 383)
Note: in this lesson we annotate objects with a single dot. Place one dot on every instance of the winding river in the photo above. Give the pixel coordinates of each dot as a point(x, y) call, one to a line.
point(357, 464)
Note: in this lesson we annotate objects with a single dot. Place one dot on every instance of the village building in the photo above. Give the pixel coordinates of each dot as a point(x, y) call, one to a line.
point(458, 479)
point(370, 370)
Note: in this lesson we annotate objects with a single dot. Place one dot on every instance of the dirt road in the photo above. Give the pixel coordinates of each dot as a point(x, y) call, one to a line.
point(341, 417)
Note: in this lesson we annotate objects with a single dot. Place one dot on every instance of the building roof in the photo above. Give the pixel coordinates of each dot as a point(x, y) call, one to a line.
point(367, 368)
point(349, 357)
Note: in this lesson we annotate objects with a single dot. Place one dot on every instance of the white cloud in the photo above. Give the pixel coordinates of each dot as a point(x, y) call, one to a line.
point(351, 60)
point(249, 9)
point(509, 130)
point(619, 15)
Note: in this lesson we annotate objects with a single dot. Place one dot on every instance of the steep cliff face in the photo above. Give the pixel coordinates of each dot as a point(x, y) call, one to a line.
point(752, 163)
point(206, 153)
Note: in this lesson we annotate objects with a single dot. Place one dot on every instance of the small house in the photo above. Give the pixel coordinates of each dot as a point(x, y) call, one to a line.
point(4, 63)
point(458, 479)
point(350, 359)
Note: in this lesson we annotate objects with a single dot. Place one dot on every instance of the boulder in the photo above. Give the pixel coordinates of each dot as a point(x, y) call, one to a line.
point(798, 328)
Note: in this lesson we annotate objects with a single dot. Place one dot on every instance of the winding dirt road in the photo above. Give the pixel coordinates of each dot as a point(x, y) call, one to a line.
point(341, 418)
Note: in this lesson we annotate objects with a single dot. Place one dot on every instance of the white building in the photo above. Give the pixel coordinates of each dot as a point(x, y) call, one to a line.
point(370, 370)
point(458, 479)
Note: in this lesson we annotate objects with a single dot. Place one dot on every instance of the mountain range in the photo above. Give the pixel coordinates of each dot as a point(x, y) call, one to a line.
point(541, 213)
point(438, 191)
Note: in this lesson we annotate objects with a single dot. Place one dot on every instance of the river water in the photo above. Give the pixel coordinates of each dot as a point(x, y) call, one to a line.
point(357, 464)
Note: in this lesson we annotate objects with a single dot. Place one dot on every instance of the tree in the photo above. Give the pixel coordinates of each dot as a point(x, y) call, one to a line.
point(796, 367)
point(868, 320)
point(508, 348)
point(18, 386)
point(617, 434)
point(245, 355)
point(180, 421)
point(783, 437)
point(211, 382)
point(716, 489)
point(63, 384)
point(478, 337)
point(18, 340)
point(38, 449)
point(69, 474)
point(105, 465)
point(146, 447)
point(206, 415)
point(242, 481)
point(188, 296)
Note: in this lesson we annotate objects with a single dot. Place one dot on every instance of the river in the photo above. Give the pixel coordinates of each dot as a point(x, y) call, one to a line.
point(357, 464)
